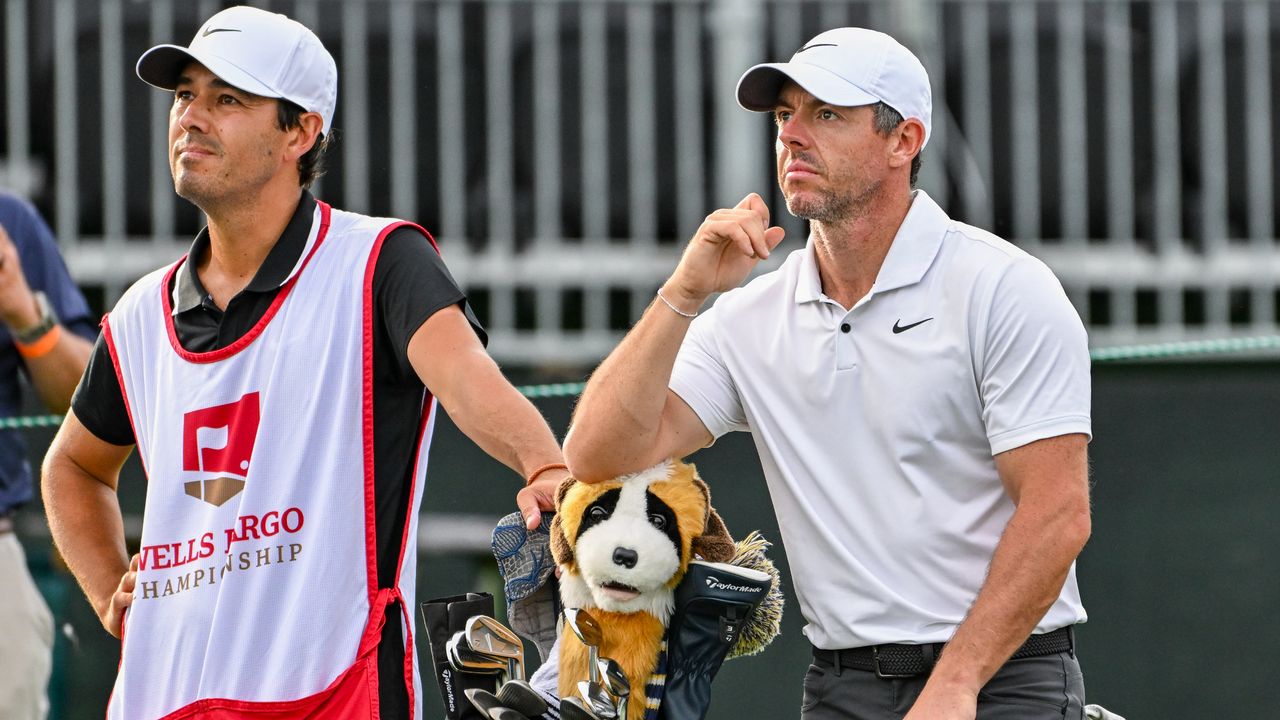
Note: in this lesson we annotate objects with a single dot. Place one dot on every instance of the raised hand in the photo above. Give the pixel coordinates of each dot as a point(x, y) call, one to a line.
point(722, 252)
point(17, 305)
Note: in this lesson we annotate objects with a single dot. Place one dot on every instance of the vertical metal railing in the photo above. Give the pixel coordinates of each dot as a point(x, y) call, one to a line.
point(563, 150)
point(17, 91)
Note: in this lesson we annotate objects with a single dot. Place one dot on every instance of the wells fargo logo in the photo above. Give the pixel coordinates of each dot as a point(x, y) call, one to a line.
point(219, 441)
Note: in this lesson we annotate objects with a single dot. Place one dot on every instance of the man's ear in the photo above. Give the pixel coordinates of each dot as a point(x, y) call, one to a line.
point(908, 140)
point(305, 135)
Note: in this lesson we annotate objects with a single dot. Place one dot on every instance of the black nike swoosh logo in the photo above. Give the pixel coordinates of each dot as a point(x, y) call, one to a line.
point(211, 31)
point(903, 328)
point(810, 47)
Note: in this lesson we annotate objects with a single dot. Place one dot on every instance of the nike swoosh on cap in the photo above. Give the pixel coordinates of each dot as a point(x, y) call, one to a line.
point(815, 45)
point(211, 31)
point(897, 328)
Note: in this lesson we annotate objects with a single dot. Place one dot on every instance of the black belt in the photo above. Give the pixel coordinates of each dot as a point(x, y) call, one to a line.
point(902, 661)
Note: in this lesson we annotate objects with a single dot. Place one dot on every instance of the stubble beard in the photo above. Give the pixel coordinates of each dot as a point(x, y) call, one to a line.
point(829, 207)
point(222, 189)
point(192, 189)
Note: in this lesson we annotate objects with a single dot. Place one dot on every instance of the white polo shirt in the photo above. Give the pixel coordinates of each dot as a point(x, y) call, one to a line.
point(877, 426)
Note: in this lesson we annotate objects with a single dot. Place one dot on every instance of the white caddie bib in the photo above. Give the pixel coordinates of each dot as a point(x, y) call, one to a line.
point(257, 591)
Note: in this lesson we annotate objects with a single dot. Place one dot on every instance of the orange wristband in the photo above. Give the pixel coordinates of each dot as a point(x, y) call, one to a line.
point(544, 468)
point(40, 347)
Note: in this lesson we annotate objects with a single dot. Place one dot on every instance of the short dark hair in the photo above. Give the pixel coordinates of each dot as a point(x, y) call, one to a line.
point(312, 164)
point(886, 120)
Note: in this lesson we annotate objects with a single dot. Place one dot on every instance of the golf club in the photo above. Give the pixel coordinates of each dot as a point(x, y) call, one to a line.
point(598, 700)
point(463, 659)
point(571, 708)
point(616, 682)
point(520, 696)
point(490, 706)
point(504, 713)
point(587, 628)
point(490, 637)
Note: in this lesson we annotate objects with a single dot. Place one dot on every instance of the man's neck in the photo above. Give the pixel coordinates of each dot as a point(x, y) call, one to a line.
point(851, 251)
point(241, 235)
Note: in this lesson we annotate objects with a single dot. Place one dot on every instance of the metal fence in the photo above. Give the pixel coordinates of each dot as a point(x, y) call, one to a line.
point(563, 150)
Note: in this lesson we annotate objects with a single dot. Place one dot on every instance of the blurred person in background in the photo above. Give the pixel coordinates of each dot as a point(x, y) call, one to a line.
point(279, 383)
point(45, 333)
point(918, 391)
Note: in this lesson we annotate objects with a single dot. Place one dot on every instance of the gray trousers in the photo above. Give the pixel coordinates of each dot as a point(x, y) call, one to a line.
point(26, 652)
point(1036, 688)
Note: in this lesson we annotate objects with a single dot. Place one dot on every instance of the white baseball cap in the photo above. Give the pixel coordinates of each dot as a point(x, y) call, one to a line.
point(260, 52)
point(847, 67)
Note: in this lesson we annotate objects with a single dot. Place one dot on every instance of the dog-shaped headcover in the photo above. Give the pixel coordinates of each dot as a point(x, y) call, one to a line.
point(623, 546)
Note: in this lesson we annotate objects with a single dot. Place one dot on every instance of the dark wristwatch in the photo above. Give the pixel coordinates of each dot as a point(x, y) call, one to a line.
point(47, 320)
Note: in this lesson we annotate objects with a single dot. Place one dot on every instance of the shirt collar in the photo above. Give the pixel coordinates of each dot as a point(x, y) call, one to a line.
point(280, 264)
point(910, 255)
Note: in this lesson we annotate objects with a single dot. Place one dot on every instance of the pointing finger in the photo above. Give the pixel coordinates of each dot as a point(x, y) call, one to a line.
point(757, 206)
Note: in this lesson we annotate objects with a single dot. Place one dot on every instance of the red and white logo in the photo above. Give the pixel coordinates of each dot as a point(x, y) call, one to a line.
point(218, 441)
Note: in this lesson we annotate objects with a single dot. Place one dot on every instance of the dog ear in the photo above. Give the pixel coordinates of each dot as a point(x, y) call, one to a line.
point(714, 544)
point(563, 490)
point(561, 549)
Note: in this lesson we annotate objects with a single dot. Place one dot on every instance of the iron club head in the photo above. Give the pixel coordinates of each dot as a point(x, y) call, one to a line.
point(520, 696)
point(585, 626)
point(616, 682)
point(487, 636)
point(571, 708)
point(598, 700)
point(463, 659)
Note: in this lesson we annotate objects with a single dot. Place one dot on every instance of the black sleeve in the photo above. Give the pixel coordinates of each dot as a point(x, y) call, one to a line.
point(98, 401)
point(410, 284)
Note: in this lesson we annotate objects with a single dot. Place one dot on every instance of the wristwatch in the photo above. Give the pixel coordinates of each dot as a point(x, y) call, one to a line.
point(47, 320)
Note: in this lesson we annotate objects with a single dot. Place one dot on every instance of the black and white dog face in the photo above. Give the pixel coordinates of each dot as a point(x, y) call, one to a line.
point(629, 541)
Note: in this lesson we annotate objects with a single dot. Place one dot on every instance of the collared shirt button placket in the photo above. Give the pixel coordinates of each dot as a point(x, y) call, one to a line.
point(846, 350)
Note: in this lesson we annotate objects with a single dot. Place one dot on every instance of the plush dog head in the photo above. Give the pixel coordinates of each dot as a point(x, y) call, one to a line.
point(624, 544)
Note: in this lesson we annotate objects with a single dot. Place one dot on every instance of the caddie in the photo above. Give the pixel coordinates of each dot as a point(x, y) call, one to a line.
point(281, 382)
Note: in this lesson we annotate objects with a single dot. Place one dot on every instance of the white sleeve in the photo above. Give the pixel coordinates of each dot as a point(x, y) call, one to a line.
point(1034, 364)
point(701, 378)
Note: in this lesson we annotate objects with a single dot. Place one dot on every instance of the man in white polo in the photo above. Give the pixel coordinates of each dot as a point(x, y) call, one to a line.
point(918, 391)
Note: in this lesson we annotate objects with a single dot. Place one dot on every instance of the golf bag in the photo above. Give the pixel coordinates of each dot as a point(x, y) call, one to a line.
point(444, 617)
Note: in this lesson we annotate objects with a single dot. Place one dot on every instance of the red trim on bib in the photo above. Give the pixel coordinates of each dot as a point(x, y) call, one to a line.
point(371, 536)
point(115, 363)
point(246, 339)
point(428, 407)
point(352, 696)
point(408, 647)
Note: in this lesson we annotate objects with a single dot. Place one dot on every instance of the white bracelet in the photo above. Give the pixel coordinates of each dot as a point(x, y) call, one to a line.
point(675, 309)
